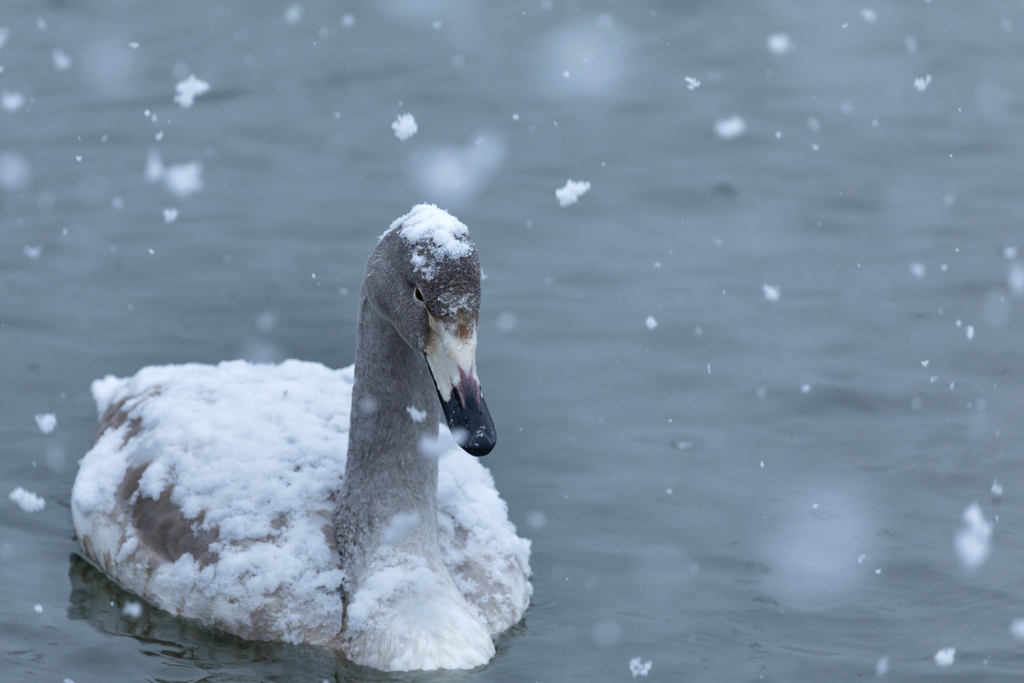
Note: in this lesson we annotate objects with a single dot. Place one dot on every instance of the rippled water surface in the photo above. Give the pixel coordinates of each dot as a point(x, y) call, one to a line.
point(745, 388)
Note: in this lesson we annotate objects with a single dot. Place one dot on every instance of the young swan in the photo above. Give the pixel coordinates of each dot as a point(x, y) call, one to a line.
point(209, 489)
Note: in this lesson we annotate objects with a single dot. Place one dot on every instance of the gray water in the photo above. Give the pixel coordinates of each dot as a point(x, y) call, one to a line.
point(754, 489)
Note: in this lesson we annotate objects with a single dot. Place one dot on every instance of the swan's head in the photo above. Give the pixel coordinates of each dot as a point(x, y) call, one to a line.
point(424, 277)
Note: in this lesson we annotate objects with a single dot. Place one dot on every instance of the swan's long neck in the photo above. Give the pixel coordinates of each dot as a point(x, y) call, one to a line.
point(388, 481)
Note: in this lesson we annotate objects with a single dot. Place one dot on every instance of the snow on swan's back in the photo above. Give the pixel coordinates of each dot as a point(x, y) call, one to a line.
point(226, 494)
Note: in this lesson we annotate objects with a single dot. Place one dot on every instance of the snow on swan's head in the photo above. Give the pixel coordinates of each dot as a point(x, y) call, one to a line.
point(437, 236)
point(424, 278)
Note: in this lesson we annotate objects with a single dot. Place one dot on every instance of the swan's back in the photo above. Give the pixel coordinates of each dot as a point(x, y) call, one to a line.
point(210, 490)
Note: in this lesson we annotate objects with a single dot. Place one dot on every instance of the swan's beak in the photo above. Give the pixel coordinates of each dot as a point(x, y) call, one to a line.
point(451, 356)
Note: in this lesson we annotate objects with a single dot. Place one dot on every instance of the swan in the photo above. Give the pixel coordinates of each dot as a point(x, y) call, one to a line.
point(226, 493)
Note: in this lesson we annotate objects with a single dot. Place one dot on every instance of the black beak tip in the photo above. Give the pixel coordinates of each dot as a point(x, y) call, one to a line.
point(482, 443)
point(470, 423)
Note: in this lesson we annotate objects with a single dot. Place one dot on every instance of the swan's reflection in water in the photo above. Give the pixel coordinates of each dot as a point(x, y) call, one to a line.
point(192, 652)
point(186, 645)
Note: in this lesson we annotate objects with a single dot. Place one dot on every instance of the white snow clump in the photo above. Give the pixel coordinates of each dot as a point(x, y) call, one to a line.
point(637, 667)
point(779, 44)
point(571, 192)
point(400, 526)
point(189, 89)
point(26, 500)
point(972, 541)
point(293, 15)
point(15, 172)
point(404, 126)
point(12, 101)
point(730, 128)
point(61, 60)
point(1017, 629)
point(46, 422)
point(182, 180)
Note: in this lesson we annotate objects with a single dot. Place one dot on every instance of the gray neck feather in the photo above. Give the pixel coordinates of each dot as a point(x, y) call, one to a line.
point(386, 474)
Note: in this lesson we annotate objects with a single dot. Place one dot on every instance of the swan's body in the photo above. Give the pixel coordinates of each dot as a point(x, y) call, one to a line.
point(225, 493)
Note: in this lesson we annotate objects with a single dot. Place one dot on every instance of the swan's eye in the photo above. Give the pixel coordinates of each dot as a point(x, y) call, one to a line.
point(418, 294)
